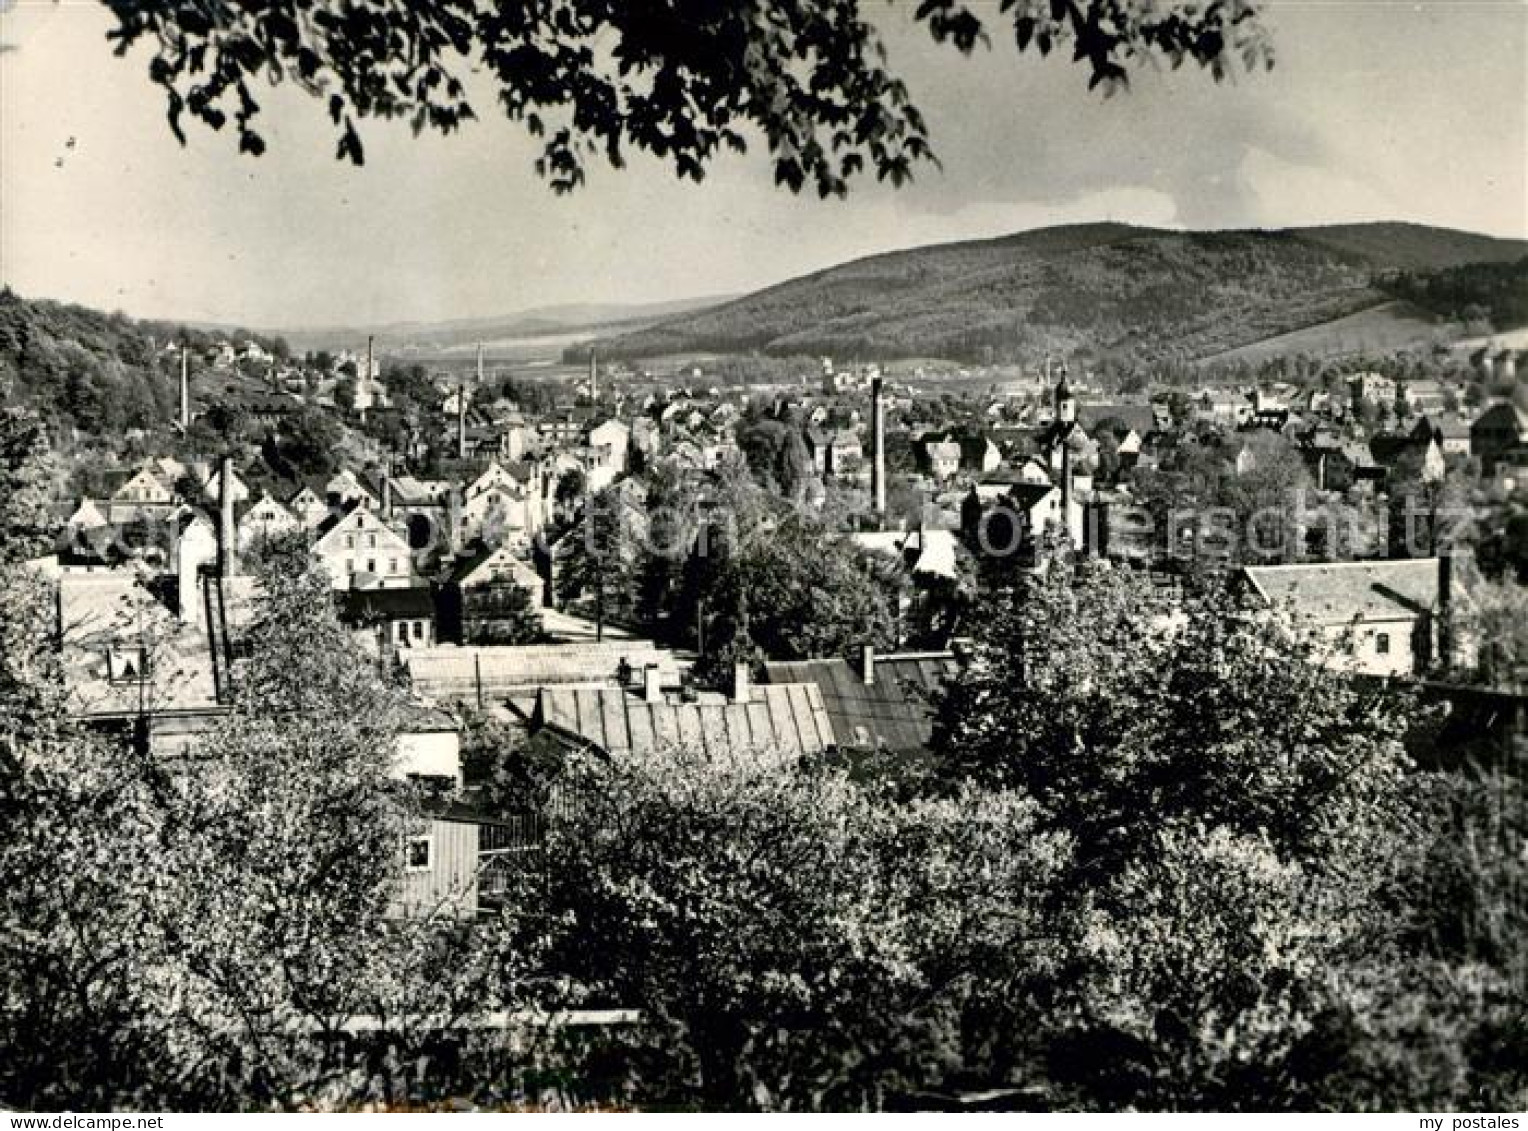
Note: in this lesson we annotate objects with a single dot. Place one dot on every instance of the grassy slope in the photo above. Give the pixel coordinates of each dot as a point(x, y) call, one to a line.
point(1100, 288)
point(1383, 328)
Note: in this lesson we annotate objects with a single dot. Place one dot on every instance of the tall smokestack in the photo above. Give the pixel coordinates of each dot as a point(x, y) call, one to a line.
point(185, 388)
point(461, 414)
point(594, 377)
point(878, 450)
point(228, 543)
point(480, 363)
point(366, 378)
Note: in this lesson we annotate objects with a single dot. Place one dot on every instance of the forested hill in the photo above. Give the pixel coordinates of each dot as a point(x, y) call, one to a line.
point(101, 374)
point(1116, 290)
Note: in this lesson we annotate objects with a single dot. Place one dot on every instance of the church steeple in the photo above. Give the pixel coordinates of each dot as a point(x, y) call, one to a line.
point(1066, 404)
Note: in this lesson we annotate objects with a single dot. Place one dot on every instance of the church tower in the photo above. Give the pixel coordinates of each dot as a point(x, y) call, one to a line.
point(1066, 404)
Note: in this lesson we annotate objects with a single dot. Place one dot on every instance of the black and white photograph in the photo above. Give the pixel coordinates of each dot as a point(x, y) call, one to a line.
point(772, 556)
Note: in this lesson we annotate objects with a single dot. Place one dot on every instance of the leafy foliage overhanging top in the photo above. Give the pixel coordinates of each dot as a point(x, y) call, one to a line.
point(680, 79)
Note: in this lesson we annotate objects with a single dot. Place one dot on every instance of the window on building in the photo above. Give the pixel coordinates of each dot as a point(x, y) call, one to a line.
point(350, 542)
point(419, 630)
point(125, 665)
point(371, 540)
point(392, 565)
point(416, 853)
point(1382, 643)
point(371, 565)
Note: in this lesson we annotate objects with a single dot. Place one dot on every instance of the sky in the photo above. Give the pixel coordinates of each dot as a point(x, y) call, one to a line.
point(1374, 111)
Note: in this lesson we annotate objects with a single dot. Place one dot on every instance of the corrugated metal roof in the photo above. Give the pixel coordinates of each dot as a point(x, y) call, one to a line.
point(457, 673)
point(779, 720)
point(893, 713)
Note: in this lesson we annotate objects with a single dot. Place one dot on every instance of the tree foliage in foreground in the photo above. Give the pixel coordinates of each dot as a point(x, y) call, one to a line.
point(806, 943)
point(1234, 927)
point(203, 933)
point(682, 81)
point(27, 526)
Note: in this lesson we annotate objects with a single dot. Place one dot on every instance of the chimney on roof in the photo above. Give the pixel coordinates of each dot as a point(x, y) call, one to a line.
point(652, 685)
point(741, 680)
point(185, 388)
point(228, 542)
point(878, 450)
point(867, 664)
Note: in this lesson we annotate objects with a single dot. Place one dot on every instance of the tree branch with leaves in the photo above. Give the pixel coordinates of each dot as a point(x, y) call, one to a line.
point(683, 80)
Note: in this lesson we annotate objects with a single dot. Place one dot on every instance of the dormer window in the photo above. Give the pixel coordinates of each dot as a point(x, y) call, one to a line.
point(125, 665)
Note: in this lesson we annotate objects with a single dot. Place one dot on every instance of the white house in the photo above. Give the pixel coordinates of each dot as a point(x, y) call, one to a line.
point(212, 487)
point(346, 487)
point(144, 487)
point(86, 516)
point(1381, 617)
point(265, 519)
point(501, 508)
point(360, 551)
point(615, 436)
point(309, 507)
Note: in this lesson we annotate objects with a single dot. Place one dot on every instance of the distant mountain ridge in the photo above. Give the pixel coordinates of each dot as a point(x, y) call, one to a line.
point(1112, 290)
point(460, 332)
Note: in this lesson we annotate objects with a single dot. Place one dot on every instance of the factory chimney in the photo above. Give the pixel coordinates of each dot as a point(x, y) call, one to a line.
point(480, 364)
point(878, 450)
point(594, 377)
point(185, 388)
point(228, 542)
point(364, 385)
point(461, 416)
